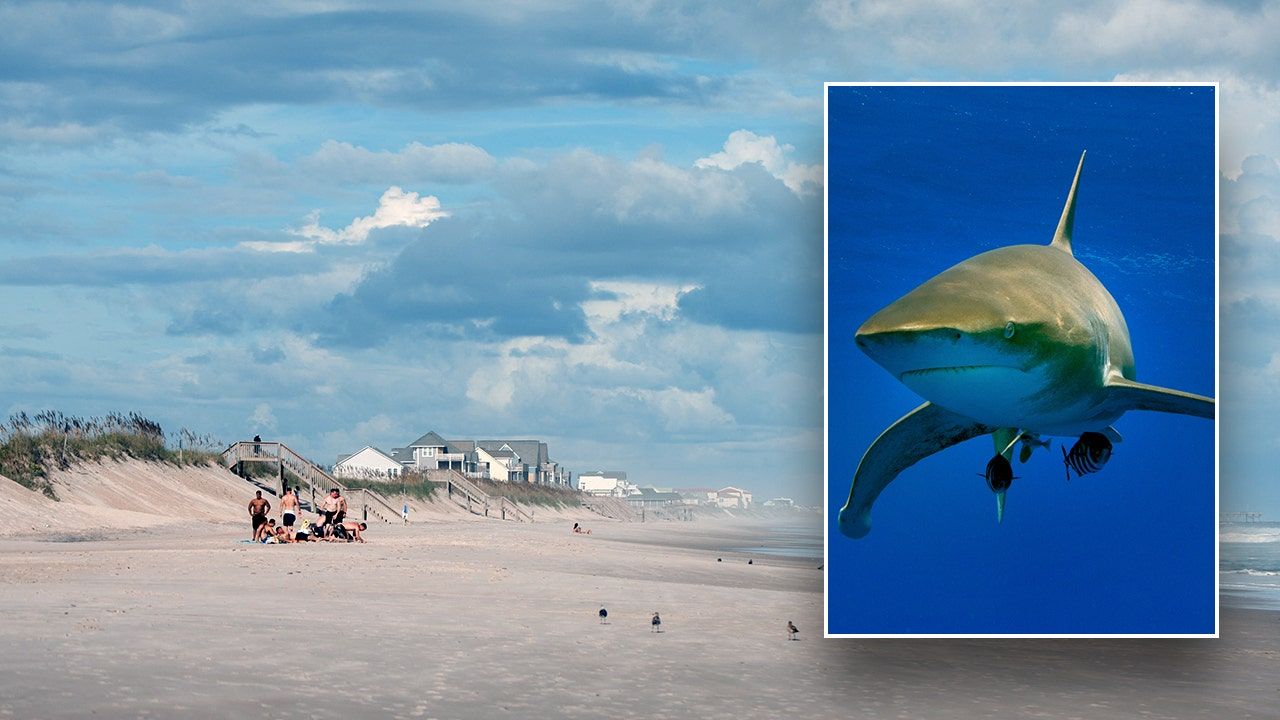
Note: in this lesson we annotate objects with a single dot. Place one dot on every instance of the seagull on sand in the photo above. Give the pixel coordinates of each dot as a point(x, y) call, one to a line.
point(657, 623)
point(792, 630)
point(604, 614)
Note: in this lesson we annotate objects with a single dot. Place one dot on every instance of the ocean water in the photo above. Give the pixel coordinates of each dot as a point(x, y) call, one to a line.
point(920, 179)
point(1249, 563)
point(795, 540)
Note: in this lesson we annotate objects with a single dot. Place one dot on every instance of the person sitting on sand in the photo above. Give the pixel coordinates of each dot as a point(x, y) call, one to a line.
point(349, 530)
point(265, 530)
point(284, 535)
point(578, 529)
point(258, 509)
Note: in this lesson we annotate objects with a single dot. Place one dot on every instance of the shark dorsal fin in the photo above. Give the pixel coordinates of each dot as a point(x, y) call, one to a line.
point(1062, 237)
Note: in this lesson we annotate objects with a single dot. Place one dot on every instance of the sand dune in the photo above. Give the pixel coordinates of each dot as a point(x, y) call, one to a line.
point(102, 499)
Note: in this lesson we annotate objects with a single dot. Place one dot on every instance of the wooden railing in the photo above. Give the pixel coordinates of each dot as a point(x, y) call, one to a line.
point(319, 482)
point(469, 495)
point(609, 507)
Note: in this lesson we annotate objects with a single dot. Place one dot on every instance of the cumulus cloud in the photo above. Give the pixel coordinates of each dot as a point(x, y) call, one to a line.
point(262, 418)
point(396, 208)
point(742, 246)
point(744, 146)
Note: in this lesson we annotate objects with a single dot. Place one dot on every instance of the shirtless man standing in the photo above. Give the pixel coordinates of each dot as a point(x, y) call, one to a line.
point(329, 506)
point(288, 509)
point(342, 509)
point(258, 509)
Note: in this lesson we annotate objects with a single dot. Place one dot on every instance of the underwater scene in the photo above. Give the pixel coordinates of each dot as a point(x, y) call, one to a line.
point(1055, 531)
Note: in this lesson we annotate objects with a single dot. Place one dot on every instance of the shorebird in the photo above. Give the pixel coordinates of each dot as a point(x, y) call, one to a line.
point(792, 630)
point(604, 614)
point(657, 623)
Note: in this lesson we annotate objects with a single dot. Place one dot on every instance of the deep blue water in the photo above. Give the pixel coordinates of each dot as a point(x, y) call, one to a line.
point(923, 178)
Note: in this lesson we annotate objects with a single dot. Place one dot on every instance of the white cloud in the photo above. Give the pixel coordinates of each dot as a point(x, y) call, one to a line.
point(1161, 29)
point(658, 300)
point(744, 146)
point(262, 418)
point(396, 208)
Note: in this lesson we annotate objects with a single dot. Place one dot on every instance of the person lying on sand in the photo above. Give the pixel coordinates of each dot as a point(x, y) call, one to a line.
point(306, 532)
point(283, 535)
point(348, 530)
point(580, 530)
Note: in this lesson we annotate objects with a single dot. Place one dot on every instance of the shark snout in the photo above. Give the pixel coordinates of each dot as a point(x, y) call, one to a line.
point(899, 350)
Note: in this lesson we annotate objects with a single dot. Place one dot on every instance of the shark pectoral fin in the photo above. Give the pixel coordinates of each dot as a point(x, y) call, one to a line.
point(1125, 394)
point(1112, 434)
point(917, 435)
point(1005, 439)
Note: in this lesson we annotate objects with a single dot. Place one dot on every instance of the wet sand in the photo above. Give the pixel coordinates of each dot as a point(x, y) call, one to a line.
point(492, 619)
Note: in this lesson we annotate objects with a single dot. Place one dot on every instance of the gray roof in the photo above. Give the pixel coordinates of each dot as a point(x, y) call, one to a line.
point(348, 456)
point(401, 455)
point(653, 495)
point(502, 453)
point(460, 446)
point(431, 439)
point(530, 451)
point(607, 473)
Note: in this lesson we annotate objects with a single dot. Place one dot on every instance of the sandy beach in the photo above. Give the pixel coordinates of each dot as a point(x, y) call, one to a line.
point(490, 619)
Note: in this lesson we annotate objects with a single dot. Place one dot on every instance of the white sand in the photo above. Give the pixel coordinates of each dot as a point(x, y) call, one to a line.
point(492, 619)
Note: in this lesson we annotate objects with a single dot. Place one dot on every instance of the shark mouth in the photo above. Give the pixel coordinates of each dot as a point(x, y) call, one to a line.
point(953, 369)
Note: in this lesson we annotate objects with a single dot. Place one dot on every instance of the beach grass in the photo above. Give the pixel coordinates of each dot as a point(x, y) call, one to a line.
point(526, 494)
point(32, 445)
point(415, 485)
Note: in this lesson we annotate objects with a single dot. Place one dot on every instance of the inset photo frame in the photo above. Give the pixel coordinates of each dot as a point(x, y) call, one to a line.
point(1021, 359)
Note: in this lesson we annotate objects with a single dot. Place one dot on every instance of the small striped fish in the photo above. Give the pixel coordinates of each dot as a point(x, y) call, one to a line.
point(1088, 455)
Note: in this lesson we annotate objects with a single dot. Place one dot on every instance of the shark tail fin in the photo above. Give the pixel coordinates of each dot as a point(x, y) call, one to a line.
point(1062, 236)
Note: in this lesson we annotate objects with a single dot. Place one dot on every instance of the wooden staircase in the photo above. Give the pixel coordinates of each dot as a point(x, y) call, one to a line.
point(370, 503)
point(609, 507)
point(469, 495)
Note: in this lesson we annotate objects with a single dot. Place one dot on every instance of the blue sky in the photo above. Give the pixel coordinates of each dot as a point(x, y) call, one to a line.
point(235, 220)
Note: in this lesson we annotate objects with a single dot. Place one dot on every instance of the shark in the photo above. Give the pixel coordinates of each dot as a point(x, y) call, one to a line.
point(1017, 343)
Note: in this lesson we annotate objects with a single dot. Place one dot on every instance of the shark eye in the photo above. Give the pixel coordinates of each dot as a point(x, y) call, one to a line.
point(1009, 328)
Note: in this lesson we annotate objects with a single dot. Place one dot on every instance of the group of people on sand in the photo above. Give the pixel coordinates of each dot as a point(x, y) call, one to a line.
point(332, 524)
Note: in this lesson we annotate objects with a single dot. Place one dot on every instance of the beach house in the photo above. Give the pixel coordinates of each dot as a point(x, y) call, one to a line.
point(733, 498)
point(604, 483)
point(367, 462)
point(526, 461)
